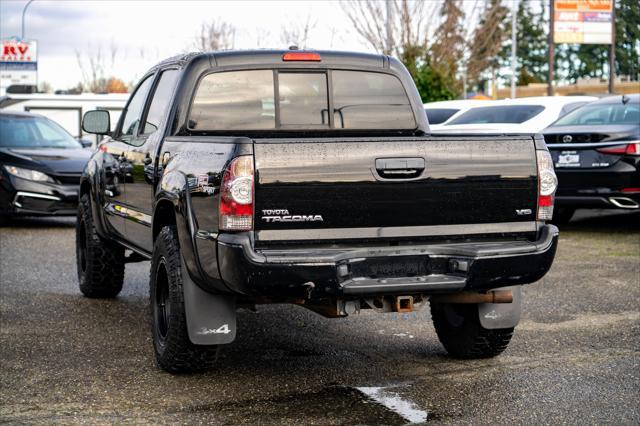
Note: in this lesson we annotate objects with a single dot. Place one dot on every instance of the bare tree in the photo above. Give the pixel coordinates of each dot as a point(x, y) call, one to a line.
point(215, 35)
point(97, 66)
point(394, 27)
point(486, 42)
point(262, 37)
point(45, 87)
point(297, 34)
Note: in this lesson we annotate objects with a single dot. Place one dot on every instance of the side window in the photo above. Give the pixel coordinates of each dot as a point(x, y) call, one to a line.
point(161, 101)
point(134, 109)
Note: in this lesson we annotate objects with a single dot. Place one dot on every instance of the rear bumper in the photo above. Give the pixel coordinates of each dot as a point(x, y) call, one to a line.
point(359, 272)
point(612, 200)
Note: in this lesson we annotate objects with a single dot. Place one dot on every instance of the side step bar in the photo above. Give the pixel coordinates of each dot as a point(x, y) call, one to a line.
point(402, 285)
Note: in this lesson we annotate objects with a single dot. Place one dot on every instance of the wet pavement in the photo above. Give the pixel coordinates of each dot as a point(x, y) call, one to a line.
point(574, 358)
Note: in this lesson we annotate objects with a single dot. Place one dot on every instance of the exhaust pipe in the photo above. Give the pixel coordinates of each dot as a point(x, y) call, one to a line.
point(497, 296)
point(623, 202)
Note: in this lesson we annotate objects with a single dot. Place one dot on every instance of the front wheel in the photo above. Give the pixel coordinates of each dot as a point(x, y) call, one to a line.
point(100, 263)
point(174, 351)
point(460, 332)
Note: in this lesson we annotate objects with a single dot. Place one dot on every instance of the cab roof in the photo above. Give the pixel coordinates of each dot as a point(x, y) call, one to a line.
point(274, 57)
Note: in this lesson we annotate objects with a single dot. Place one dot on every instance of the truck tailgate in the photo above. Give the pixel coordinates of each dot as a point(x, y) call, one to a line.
point(406, 187)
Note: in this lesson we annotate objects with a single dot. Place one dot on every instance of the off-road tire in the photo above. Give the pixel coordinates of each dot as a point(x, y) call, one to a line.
point(460, 332)
point(100, 262)
point(562, 215)
point(174, 351)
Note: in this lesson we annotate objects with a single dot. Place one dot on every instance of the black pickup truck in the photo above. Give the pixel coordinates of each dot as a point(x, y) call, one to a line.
point(308, 177)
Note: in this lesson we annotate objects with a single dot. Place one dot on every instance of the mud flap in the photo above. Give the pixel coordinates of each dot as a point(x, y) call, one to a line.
point(211, 318)
point(502, 315)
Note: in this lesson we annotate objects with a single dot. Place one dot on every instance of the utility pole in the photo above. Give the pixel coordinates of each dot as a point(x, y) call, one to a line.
point(24, 10)
point(514, 39)
point(389, 25)
point(551, 47)
point(612, 49)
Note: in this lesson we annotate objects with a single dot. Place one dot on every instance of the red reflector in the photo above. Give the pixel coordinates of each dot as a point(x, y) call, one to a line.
point(630, 190)
point(545, 201)
point(301, 56)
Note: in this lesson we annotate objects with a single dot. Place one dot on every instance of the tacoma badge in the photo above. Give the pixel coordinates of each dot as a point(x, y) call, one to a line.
point(282, 215)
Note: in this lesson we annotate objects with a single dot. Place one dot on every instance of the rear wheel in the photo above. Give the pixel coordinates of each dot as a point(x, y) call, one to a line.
point(460, 332)
point(562, 215)
point(174, 351)
point(100, 263)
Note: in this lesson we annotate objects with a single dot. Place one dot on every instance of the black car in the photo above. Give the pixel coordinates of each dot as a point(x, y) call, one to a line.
point(40, 167)
point(596, 153)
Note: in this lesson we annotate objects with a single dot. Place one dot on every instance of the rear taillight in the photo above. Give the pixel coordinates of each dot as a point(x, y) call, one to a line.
point(547, 185)
point(628, 149)
point(236, 195)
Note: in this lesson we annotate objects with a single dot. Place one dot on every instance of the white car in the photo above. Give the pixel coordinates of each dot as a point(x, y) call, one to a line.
point(522, 115)
point(439, 113)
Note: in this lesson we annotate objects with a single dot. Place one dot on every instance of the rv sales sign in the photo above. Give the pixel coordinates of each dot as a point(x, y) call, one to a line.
point(583, 21)
point(18, 62)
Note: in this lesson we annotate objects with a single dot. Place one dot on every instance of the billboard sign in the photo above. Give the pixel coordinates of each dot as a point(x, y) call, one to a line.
point(583, 21)
point(18, 63)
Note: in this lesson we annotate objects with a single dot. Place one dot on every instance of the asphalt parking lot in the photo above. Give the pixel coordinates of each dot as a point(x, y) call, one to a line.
point(574, 358)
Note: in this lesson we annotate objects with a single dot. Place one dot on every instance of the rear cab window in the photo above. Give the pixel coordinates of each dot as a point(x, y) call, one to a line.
point(289, 99)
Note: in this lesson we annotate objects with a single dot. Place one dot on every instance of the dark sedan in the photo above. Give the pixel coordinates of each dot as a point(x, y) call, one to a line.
point(596, 152)
point(40, 167)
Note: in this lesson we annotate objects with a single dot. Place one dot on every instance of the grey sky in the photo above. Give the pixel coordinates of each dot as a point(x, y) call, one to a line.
point(145, 32)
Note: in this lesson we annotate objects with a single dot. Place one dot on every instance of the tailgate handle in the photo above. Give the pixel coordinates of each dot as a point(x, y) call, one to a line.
point(400, 168)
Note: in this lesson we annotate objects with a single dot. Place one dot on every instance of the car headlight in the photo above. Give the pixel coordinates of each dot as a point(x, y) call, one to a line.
point(28, 174)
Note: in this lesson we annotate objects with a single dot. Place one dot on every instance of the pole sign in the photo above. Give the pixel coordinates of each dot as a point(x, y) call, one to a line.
point(18, 63)
point(583, 21)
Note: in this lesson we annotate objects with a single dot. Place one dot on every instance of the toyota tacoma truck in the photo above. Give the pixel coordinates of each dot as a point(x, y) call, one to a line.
point(308, 177)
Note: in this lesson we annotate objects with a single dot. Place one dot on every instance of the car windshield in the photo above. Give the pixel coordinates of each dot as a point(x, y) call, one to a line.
point(33, 132)
point(439, 115)
point(599, 114)
point(513, 114)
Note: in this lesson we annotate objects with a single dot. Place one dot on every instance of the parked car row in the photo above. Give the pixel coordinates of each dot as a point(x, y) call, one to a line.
point(594, 143)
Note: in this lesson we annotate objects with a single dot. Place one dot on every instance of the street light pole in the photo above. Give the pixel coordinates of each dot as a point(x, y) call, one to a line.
point(551, 48)
point(612, 49)
point(514, 40)
point(24, 10)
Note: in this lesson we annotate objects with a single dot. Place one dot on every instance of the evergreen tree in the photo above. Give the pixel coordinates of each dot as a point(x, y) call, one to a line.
point(487, 42)
point(448, 47)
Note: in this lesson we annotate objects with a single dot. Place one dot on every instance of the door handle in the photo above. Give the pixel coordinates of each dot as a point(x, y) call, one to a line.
point(400, 168)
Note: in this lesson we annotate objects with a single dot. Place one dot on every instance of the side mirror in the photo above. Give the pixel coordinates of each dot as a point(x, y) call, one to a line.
point(97, 122)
